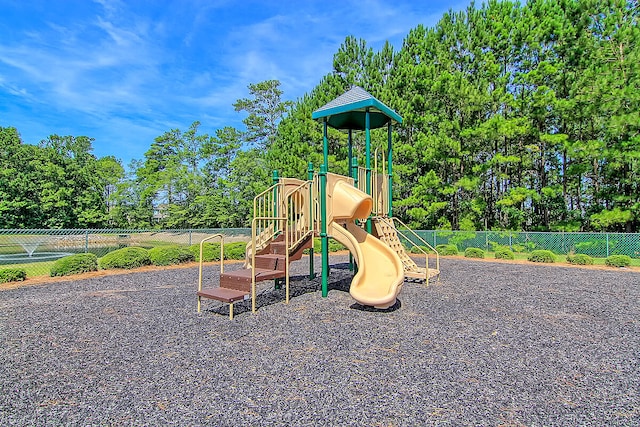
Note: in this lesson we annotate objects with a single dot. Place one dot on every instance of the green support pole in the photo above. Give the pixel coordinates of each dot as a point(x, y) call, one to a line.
point(390, 169)
point(367, 129)
point(354, 174)
point(324, 238)
point(349, 172)
point(350, 150)
point(312, 273)
point(354, 170)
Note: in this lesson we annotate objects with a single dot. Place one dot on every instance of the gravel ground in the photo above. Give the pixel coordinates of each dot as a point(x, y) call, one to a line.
point(491, 344)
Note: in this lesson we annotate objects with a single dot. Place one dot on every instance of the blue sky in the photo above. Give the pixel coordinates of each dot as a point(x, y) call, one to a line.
point(125, 72)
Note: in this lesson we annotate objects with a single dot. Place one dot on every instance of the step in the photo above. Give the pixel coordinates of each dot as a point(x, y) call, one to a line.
point(278, 247)
point(270, 261)
point(224, 295)
point(241, 279)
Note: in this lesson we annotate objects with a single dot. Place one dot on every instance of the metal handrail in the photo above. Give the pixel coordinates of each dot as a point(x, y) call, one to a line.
point(416, 246)
point(253, 256)
point(200, 261)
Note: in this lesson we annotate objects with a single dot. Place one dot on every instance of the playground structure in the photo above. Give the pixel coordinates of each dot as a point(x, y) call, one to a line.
point(354, 210)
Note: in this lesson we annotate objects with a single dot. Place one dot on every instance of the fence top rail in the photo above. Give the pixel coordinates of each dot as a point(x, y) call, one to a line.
point(247, 231)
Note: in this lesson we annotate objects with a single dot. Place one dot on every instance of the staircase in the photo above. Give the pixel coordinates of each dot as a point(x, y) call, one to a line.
point(288, 206)
point(270, 264)
point(386, 231)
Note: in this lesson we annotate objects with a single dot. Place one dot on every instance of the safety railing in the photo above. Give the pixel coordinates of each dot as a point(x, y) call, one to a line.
point(417, 246)
point(200, 262)
point(295, 219)
point(265, 207)
point(300, 212)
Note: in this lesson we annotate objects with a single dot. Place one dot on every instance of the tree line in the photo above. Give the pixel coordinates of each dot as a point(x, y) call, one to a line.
point(521, 117)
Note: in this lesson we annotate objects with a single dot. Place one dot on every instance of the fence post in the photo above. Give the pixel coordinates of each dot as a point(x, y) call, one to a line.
point(434, 238)
point(190, 231)
point(607, 236)
point(86, 241)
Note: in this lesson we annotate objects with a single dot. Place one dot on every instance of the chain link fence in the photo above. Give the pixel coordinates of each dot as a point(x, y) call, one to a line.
point(599, 245)
point(37, 250)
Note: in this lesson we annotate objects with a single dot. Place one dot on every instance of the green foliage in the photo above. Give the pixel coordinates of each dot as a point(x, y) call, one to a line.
point(504, 253)
point(210, 251)
point(235, 250)
point(579, 259)
point(447, 249)
point(126, 258)
point(419, 249)
point(56, 184)
point(169, 255)
point(473, 253)
point(542, 255)
point(74, 264)
point(334, 246)
point(12, 275)
point(618, 261)
point(516, 115)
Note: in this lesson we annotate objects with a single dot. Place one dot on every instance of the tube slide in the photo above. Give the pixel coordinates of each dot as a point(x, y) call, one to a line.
point(380, 273)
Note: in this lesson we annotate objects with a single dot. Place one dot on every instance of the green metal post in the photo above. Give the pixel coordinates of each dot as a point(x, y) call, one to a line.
point(350, 150)
point(354, 170)
point(324, 238)
point(390, 169)
point(354, 175)
point(312, 273)
point(367, 130)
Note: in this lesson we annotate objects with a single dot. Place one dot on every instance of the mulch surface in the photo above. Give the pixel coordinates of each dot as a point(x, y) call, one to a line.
point(490, 344)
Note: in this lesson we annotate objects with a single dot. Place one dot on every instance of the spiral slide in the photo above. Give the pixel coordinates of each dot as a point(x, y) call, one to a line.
point(380, 273)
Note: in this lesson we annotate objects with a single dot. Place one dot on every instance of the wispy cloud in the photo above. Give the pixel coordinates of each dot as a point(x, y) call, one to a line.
point(125, 72)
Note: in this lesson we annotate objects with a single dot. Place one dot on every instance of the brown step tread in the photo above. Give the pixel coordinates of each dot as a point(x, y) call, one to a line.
point(223, 294)
point(261, 274)
point(270, 261)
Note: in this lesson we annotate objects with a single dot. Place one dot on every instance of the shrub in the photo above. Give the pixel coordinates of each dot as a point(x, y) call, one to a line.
point(580, 259)
point(127, 258)
point(334, 246)
point(473, 253)
point(235, 250)
point(210, 251)
point(542, 255)
point(416, 249)
point(504, 253)
point(74, 264)
point(618, 261)
point(447, 250)
point(12, 275)
point(169, 255)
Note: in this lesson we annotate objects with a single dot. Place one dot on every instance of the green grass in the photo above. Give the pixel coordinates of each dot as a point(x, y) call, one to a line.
point(33, 269)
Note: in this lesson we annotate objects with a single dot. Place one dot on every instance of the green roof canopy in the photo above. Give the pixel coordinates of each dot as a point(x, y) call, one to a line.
point(348, 111)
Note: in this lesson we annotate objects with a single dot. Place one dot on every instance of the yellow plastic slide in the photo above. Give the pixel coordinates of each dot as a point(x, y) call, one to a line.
point(380, 274)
